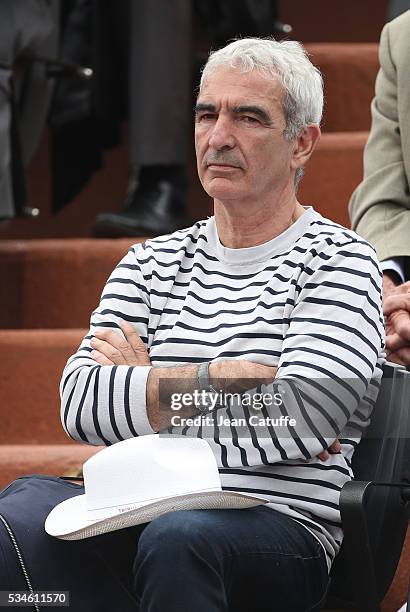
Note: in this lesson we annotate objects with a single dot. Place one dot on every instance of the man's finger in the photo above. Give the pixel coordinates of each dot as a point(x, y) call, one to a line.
point(398, 301)
point(335, 447)
point(401, 356)
point(401, 324)
point(116, 340)
point(100, 358)
point(112, 336)
point(324, 455)
point(108, 350)
point(403, 288)
point(394, 342)
point(122, 351)
point(136, 343)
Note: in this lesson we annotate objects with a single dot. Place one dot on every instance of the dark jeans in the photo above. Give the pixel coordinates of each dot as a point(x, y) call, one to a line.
point(255, 560)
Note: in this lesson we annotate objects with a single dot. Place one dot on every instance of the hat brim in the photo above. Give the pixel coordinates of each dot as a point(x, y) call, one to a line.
point(68, 520)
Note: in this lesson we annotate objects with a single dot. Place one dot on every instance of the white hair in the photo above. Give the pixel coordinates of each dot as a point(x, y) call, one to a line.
point(286, 60)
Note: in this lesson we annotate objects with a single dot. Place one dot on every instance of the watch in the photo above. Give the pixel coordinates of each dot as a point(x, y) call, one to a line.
point(207, 393)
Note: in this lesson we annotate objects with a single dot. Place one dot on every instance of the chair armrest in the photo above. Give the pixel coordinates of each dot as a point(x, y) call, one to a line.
point(359, 556)
point(357, 544)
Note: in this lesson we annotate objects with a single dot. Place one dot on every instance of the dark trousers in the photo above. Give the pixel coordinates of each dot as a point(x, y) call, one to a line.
point(160, 73)
point(217, 560)
point(144, 54)
point(27, 28)
point(253, 560)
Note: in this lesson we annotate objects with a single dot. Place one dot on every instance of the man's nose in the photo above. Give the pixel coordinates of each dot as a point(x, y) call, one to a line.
point(221, 134)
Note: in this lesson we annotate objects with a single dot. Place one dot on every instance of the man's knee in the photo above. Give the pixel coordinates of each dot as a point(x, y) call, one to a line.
point(183, 530)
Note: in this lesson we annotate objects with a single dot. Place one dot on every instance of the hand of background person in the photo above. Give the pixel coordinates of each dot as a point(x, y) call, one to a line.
point(396, 310)
point(111, 348)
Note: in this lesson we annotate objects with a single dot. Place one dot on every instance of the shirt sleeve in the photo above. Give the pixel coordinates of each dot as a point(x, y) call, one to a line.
point(106, 404)
point(333, 349)
point(394, 264)
point(330, 366)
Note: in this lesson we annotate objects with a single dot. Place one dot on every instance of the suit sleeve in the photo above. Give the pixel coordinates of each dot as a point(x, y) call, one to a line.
point(380, 206)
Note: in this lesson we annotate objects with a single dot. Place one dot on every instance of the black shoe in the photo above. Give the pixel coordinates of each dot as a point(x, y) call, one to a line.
point(151, 209)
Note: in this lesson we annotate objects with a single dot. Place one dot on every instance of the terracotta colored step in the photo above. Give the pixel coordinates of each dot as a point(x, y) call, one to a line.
point(55, 283)
point(54, 459)
point(30, 373)
point(349, 71)
point(333, 172)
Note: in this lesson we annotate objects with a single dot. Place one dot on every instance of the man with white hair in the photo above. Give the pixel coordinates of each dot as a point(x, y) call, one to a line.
point(265, 289)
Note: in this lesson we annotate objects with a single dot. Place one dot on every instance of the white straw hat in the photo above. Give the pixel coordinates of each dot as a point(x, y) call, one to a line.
point(137, 480)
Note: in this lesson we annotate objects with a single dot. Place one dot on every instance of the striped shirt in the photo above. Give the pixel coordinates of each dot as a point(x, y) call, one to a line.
point(307, 302)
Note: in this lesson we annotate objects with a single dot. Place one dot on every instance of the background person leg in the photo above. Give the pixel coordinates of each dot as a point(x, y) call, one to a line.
point(160, 73)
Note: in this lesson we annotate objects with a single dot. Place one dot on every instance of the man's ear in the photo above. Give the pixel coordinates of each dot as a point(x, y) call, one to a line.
point(305, 145)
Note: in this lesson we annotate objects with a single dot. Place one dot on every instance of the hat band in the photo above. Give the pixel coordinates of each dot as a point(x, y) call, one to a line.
point(109, 511)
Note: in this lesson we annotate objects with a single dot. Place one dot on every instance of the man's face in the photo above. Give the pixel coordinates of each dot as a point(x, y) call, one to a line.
point(240, 148)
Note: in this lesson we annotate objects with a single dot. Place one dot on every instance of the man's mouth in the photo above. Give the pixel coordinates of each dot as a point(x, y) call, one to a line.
point(219, 166)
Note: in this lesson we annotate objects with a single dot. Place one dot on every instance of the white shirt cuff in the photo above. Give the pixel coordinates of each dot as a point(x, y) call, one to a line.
point(138, 400)
point(395, 264)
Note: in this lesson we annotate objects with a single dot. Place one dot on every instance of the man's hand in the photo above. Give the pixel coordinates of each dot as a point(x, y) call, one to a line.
point(396, 310)
point(238, 375)
point(111, 348)
point(390, 286)
point(235, 376)
point(334, 449)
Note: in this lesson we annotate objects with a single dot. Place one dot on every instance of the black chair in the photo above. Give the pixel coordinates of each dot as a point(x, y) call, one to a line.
point(375, 505)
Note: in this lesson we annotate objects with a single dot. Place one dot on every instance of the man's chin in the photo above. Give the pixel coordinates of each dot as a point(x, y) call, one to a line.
point(221, 188)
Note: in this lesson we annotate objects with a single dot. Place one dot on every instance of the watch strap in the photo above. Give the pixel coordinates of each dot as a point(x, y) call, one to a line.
point(204, 382)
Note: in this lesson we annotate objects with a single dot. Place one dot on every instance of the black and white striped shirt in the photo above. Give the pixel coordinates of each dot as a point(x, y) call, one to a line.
point(307, 302)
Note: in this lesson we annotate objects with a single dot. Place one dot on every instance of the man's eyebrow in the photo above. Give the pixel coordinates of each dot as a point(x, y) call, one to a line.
point(202, 106)
point(243, 108)
point(255, 110)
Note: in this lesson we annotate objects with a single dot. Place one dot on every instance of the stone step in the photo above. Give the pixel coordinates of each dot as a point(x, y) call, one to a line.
point(349, 71)
point(30, 373)
point(54, 459)
point(55, 283)
point(333, 172)
point(58, 283)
